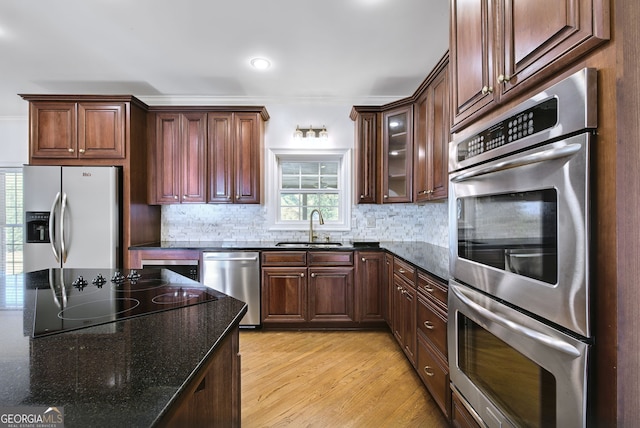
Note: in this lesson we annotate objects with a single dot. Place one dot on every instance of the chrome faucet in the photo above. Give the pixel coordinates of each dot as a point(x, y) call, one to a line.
point(312, 237)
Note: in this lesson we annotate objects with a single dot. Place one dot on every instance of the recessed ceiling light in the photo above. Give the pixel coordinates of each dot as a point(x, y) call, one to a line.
point(260, 63)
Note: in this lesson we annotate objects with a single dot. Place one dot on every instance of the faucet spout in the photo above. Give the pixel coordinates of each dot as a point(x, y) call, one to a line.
point(312, 236)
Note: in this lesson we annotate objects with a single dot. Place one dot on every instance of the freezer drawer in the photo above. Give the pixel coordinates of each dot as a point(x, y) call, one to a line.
point(236, 274)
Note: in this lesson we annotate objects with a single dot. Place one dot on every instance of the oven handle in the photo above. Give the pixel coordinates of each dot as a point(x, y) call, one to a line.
point(520, 329)
point(540, 156)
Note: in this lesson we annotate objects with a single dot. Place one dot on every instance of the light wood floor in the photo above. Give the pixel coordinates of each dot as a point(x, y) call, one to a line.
point(331, 379)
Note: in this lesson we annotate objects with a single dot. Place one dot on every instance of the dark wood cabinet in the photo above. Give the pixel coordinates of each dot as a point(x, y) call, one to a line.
point(371, 287)
point(212, 398)
point(331, 294)
point(77, 130)
point(502, 47)
point(180, 154)
point(404, 308)
point(367, 165)
point(397, 155)
point(432, 124)
point(235, 153)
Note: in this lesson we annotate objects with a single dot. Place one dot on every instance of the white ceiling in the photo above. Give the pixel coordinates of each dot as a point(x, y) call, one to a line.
point(198, 51)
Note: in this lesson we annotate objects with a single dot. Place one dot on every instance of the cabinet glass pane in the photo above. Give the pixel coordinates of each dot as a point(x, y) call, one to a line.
point(397, 154)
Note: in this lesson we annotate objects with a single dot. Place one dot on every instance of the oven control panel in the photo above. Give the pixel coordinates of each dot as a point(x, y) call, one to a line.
point(524, 124)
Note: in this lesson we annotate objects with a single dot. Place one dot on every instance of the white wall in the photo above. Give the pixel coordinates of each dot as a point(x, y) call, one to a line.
point(391, 222)
point(14, 141)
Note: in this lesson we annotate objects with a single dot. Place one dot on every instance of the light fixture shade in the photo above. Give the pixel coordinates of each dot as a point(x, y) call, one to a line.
point(324, 135)
point(310, 133)
point(297, 134)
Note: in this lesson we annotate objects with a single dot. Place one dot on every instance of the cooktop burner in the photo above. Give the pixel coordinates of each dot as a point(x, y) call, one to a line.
point(71, 299)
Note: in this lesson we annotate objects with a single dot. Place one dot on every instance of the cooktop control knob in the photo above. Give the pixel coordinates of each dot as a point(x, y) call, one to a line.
point(134, 275)
point(80, 283)
point(118, 278)
point(99, 281)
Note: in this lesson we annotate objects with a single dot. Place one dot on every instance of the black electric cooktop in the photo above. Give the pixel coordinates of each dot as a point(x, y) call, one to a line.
point(71, 299)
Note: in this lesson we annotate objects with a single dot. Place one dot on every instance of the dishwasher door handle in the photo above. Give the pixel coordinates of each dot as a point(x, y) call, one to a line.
point(230, 259)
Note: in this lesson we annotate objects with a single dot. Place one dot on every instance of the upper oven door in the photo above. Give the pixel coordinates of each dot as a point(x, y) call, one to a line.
point(519, 230)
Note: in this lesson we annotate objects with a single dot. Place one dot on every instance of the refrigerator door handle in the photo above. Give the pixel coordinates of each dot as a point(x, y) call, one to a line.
point(63, 209)
point(52, 223)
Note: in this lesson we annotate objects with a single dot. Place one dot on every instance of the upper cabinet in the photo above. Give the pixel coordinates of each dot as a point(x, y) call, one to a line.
point(397, 155)
point(77, 130)
point(207, 154)
point(432, 124)
point(401, 148)
point(501, 47)
point(180, 156)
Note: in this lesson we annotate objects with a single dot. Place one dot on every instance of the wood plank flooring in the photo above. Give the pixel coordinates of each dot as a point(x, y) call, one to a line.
point(331, 379)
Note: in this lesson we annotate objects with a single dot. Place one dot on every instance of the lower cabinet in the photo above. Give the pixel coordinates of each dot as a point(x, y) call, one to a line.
point(213, 397)
point(404, 308)
point(371, 291)
point(461, 416)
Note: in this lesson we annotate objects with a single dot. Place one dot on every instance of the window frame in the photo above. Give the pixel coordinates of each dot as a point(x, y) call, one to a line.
point(275, 156)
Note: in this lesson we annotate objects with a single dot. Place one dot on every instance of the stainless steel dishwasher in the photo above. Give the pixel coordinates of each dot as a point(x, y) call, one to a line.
point(236, 274)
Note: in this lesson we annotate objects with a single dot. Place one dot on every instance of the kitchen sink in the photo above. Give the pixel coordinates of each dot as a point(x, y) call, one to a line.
point(308, 244)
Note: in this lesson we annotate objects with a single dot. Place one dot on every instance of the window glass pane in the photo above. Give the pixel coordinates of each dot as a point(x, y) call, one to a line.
point(290, 213)
point(290, 168)
point(328, 182)
point(328, 168)
point(291, 182)
point(309, 182)
point(309, 168)
point(290, 200)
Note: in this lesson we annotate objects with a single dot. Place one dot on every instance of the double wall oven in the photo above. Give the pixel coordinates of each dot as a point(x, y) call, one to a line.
point(519, 330)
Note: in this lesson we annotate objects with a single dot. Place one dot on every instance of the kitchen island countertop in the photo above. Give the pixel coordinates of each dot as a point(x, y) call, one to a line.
point(122, 373)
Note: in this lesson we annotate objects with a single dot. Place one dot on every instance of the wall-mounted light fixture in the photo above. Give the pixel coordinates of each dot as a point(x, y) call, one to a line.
point(311, 133)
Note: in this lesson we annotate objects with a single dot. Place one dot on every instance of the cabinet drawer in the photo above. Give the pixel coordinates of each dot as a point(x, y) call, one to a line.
point(433, 324)
point(433, 288)
point(330, 258)
point(405, 270)
point(284, 258)
point(435, 375)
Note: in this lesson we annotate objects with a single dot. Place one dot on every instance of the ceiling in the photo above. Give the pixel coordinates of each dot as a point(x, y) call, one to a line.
point(198, 51)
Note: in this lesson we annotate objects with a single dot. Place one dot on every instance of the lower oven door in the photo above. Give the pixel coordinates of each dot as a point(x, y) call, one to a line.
point(512, 369)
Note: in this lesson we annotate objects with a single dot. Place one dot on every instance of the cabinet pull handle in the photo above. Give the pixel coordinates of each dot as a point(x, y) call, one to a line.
point(429, 288)
point(402, 270)
point(70, 150)
point(428, 370)
point(429, 325)
point(399, 288)
point(487, 89)
point(503, 78)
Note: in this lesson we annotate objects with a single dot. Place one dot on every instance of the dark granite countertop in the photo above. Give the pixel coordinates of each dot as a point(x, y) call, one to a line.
point(122, 373)
point(429, 257)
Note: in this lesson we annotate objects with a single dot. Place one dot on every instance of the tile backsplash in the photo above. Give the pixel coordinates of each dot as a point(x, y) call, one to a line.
point(390, 222)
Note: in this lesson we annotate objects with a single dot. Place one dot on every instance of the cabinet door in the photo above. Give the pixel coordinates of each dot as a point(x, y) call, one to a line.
point(248, 148)
point(331, 293)
point(220, 157)
point(389, 287)
point(539, 33)
point(366, 145)
point(472, 60)
point(193, 155)
point(101, 130)
point(434, 372)
point(284, 294)
point(397, 158)
point(408, 326)
point(168, 157)
point(53, 129)
point(439, 136)
point(371, 287)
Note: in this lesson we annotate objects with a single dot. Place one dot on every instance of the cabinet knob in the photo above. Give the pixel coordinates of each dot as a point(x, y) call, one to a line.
point(313, 275)
point(386, 196)
point(70, 150)
point(428, 370)
point(399, 288)
point(175, 196)
point(301, 275)
point(503, 78)
point(428, 324)
point(364, 260)
point(361, 196)
point(487, 89)
point(237, 197)
point(81, 150)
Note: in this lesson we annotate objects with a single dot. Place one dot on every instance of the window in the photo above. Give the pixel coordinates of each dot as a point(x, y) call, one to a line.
point(11, 223)
point(304, 182)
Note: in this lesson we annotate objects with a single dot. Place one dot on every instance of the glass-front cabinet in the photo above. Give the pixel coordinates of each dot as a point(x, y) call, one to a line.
point(397, 155)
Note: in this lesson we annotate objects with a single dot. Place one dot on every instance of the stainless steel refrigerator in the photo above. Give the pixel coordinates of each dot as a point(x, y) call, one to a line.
point(72, 217)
